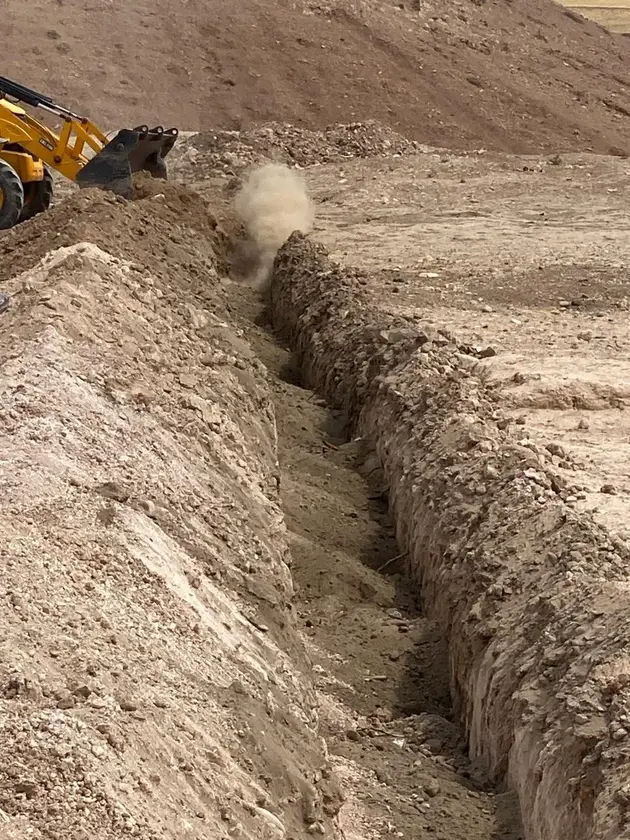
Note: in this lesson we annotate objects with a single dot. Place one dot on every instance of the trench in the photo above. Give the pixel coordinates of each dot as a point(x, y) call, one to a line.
point(380, 663)
point(529, 595)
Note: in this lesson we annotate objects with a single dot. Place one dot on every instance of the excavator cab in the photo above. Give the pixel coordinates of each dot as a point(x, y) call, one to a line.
point(81, 152)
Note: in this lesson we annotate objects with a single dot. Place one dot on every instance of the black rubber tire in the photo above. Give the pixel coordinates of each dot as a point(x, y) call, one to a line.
point(12, 195)
point(38, 196)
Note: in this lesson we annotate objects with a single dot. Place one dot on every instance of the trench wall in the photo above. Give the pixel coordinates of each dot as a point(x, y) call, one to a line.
point(153, 682)
point(532, 596)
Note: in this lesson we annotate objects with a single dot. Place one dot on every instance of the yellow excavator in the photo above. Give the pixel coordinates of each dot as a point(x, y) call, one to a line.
point(81, 152)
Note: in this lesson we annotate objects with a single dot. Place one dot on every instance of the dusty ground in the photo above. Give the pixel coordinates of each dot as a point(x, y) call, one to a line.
point(463, 238)
point(518, 76)
point(514, 243)
point(379, 667)
point(524, 258)
point(531, 595)
point(160, 677)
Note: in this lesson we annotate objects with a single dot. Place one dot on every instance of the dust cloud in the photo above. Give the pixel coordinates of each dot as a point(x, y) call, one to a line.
point(272, 203)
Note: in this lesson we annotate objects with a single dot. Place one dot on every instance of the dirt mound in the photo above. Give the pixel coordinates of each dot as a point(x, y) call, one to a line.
point(531, 595)
point(232, 151)
point(148, 649)
point(518, 76)
point(166, 224)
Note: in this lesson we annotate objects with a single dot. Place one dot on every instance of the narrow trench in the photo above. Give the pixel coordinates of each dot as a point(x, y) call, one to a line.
point(381, 668)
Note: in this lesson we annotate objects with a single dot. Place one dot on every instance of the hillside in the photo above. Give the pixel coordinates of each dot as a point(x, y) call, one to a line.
point(511, 75)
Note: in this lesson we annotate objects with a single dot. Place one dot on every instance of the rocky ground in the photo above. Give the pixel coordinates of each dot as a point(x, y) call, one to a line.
point(116, 424)
point(394, 758)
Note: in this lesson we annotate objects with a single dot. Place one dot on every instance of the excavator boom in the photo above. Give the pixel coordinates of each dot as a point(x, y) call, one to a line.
point(80, 151)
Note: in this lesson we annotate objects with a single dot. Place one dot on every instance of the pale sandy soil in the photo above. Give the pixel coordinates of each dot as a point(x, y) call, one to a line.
point(529, 262)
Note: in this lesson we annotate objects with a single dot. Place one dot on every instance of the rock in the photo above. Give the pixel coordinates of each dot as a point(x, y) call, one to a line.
point(82, 691)
point(66, 701)
point(383, 776)
point(27, 788)
point(608, 489)
point(556, 449)
point(113, 490)
point(148, 507)
point(186, 380)
point(487, 353)
point(432, 787)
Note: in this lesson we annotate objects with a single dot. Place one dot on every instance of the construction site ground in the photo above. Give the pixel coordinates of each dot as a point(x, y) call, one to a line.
point(523, 259)
point(195, 643)
point(129, 370)
point(348, 557)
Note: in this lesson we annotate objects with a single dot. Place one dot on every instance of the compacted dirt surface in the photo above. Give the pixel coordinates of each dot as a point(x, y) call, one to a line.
point(524, 259)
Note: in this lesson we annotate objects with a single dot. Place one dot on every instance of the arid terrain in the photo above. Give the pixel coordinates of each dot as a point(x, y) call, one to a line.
point(339, 551)
point(514, 75)
point(614, 16)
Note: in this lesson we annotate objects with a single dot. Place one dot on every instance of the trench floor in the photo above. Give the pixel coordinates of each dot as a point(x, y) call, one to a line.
point(380, 666)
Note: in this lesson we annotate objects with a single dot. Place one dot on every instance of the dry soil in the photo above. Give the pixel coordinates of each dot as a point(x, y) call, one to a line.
point(199, 640)
point(515, 75)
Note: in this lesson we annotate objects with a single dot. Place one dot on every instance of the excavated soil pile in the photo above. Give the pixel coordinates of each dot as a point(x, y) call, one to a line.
point(530, 594)
point(152, 681)
point(230, 152)
point(514, 75)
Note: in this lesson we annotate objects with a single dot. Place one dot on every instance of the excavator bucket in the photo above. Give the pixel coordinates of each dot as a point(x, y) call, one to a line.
point(131, 150)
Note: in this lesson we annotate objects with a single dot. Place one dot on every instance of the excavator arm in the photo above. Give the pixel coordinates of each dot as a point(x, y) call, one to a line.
point(80, 151)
